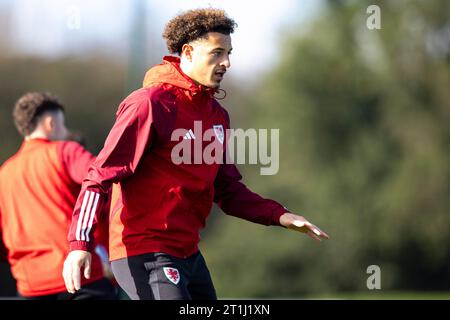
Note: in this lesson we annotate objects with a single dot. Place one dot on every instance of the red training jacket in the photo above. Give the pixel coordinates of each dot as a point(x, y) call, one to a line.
point(38, 189)
point(157, 205)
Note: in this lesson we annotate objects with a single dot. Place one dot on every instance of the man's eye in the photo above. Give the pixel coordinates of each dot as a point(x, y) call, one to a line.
point(216, 54)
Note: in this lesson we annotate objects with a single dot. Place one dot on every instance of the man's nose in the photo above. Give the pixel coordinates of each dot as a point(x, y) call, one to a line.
point(226, 62)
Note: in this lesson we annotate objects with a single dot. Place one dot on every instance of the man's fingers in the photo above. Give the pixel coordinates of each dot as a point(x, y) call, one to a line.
point(307, 227)
point(87, 269)
point(76, 260)
point(325, 235)
point(312, 235)
point(67, 275)
point(298, 223)
point(75, 278)
point(317, 231)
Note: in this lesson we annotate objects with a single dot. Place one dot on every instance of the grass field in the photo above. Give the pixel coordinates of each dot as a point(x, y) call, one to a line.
point(386, 295)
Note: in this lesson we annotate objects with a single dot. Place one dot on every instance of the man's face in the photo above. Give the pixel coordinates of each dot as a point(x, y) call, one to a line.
point(57, 129)
point(210, 59)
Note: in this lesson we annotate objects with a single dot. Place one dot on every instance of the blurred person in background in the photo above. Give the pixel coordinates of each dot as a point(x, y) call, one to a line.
point(38, 189)
point(158, 206)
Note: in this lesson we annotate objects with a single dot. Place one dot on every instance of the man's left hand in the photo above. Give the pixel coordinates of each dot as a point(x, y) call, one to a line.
point(299, 223)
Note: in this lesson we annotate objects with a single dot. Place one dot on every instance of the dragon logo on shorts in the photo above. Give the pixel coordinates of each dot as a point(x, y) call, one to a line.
point(172, 274)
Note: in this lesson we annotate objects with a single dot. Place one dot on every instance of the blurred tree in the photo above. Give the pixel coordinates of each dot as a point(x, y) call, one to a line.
point(363, 117)
point(90, 88)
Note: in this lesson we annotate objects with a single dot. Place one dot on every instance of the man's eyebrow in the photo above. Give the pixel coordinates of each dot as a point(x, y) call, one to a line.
point(221, 49)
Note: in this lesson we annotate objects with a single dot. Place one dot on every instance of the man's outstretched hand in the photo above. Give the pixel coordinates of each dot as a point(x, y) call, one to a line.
point(76, 260)
point(299, 223)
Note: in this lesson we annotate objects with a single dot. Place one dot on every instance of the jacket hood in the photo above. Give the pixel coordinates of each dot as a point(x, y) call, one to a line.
point(169, 72)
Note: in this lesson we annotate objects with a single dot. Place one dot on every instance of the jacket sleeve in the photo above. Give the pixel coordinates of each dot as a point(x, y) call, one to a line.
point(3, 250)
point(132, 132)
point(235, 199)
point(76, 160)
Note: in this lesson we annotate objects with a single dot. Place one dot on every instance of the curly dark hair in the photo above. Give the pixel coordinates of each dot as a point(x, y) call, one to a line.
point(194, 24)
point(30, 107)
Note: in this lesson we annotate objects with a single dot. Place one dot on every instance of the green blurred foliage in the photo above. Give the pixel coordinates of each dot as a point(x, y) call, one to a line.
point(364, 127)
point(90, 88)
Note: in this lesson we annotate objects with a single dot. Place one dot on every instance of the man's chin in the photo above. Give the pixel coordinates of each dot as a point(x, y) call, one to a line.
point(215, 85)
point(212, 85)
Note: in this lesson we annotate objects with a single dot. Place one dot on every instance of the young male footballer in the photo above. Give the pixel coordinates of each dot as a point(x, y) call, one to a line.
point(160, 204)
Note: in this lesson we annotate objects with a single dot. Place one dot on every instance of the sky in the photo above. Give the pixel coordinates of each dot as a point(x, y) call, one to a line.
point(59, 27)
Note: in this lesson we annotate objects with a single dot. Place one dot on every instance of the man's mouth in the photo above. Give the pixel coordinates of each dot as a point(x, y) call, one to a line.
point(220, 73)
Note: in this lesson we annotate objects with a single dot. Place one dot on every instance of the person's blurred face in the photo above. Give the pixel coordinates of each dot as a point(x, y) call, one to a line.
point(53, 125)
point(207, 59)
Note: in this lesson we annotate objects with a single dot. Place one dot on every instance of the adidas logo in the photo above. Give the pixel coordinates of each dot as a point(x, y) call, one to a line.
point(189, 135)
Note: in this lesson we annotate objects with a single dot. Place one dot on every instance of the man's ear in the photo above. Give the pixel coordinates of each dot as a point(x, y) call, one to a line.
point(47, 123)
point(186, 51)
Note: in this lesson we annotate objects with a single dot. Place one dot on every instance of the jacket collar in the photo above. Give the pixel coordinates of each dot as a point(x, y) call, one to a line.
point(169, 72)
